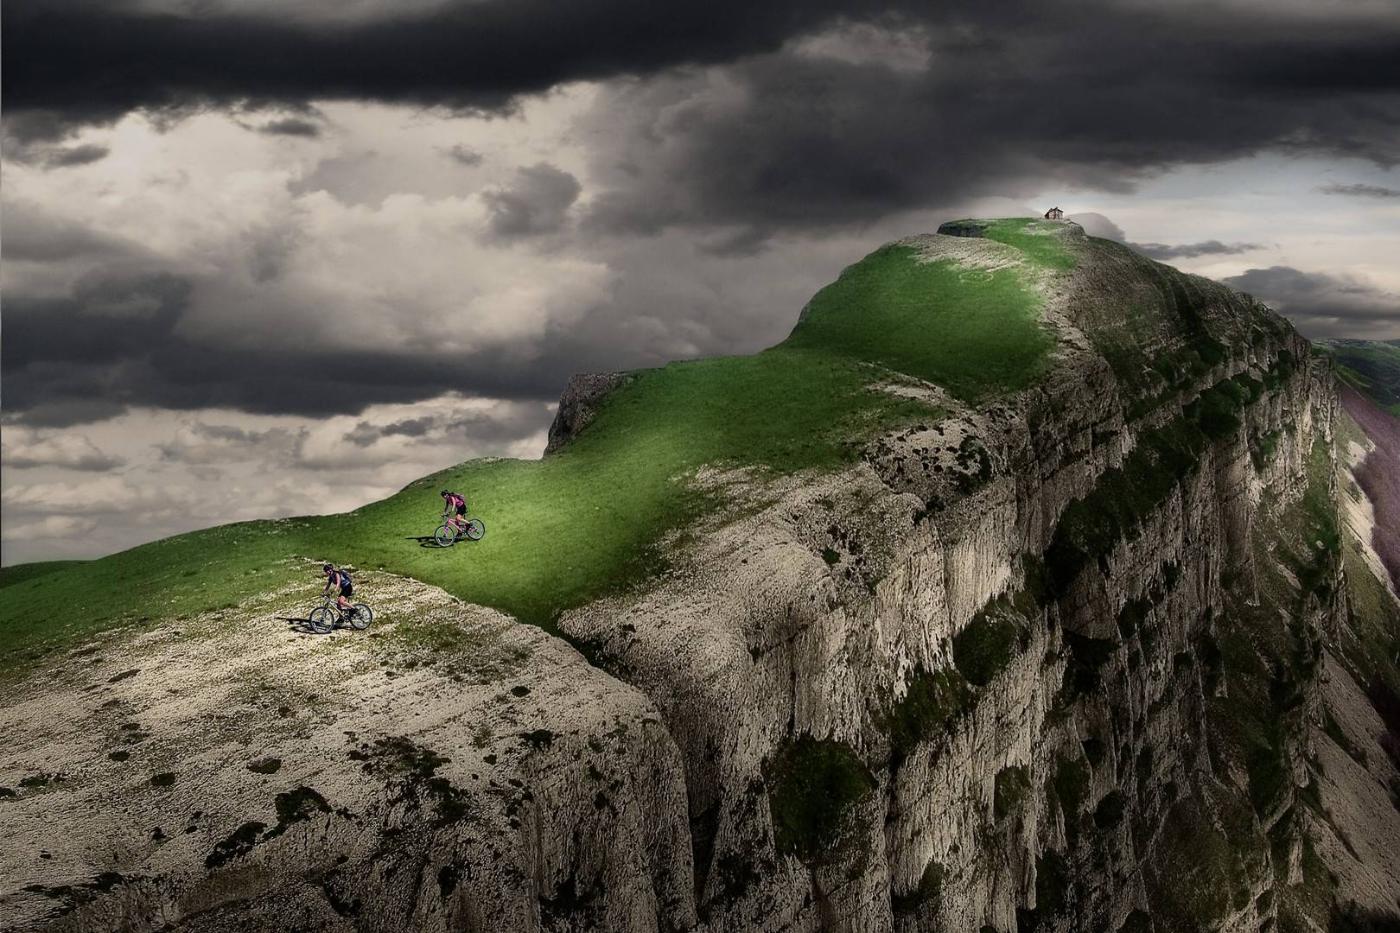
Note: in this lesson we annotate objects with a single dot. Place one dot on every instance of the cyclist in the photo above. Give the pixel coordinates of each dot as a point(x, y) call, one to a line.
point(454, 509)
point(338, 580)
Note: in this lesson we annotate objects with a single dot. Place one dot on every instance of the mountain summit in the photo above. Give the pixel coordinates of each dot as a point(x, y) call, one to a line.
point(1009, 592)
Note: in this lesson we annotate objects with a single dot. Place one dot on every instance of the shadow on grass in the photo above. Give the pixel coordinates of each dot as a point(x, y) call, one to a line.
point(426, 541)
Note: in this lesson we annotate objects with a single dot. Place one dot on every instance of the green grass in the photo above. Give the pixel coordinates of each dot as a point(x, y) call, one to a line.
point(9, 576)
point(1038, 240)
point(1371, 640)
point(974, 332)
point(594, 518)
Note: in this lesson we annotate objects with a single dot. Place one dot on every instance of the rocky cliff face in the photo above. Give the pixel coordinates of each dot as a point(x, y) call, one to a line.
point(1052, 661)
point(987, 679)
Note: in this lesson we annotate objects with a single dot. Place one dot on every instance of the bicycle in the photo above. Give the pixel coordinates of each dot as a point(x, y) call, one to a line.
point(328, 615)
point(450, 533)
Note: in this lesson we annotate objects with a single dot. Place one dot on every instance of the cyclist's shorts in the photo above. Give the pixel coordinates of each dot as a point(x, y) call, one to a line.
point(347, 589)
point(462, 509)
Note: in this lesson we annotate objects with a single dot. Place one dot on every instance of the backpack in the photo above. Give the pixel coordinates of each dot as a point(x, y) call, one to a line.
point(344, 578)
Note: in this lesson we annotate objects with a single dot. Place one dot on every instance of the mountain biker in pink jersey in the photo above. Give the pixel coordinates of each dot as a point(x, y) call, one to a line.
point(454, 503)
point(338, 580)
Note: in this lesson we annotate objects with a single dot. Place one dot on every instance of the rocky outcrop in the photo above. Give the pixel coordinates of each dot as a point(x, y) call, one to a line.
point(448, 771)
point(578, 405)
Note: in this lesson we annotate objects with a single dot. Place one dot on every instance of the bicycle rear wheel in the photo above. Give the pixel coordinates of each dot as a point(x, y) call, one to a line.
point(361, 616)
point(321, 620)
point(445, 536)
point(476, 529)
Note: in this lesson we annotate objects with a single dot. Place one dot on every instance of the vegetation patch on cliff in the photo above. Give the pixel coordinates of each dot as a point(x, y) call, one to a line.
point(1000, 630)
point(1009, 790)
point(1199, 869)
point(813, 786)
point(932, 701)
point(1070, 784)
point(928, 893)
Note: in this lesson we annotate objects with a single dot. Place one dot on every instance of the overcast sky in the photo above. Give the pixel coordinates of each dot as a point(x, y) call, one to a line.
point(263, 258)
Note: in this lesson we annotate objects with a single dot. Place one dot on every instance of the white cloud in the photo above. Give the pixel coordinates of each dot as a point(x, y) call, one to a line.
point(22, 447)
point(44, 530)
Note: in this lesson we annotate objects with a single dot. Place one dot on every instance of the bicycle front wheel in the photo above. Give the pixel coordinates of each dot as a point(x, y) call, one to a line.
point(321, 620)
point(476, 528)
point(361, 616)
point(445, 536)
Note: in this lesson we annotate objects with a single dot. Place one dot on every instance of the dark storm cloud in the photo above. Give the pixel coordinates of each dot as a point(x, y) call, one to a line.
point(463, 155)
point(727, 119)
point(536, 203)
point(63, 412)
point(42, 153)
point(1088, 95)
point(216, 443)
point(1322, 305)
point(364, 434)
point(1361, 191)
point(498, 425)
point(33, 235)
point(1164, 252)
point(69, 156)
point(291, 126)
point(116, 341)
point(75, 61)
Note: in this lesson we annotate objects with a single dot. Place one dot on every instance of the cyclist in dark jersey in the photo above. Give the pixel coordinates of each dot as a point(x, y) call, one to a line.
point(338, 580)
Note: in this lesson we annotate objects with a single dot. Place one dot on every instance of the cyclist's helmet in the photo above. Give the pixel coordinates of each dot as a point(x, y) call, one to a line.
point(444, 493)
point(327, 568)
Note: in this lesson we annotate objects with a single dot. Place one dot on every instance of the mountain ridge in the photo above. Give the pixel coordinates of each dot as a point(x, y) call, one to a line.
point(932, 647)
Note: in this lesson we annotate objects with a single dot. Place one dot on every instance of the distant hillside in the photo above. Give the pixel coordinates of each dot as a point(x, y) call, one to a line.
point(1372, 367)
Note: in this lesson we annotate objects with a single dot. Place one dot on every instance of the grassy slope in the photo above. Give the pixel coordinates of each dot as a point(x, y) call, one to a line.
point(9, 576)
point(1372, 367)
point(985, 341)
point(589, 519)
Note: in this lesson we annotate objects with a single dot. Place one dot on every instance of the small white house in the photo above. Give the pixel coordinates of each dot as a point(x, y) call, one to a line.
point(1054, 214)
